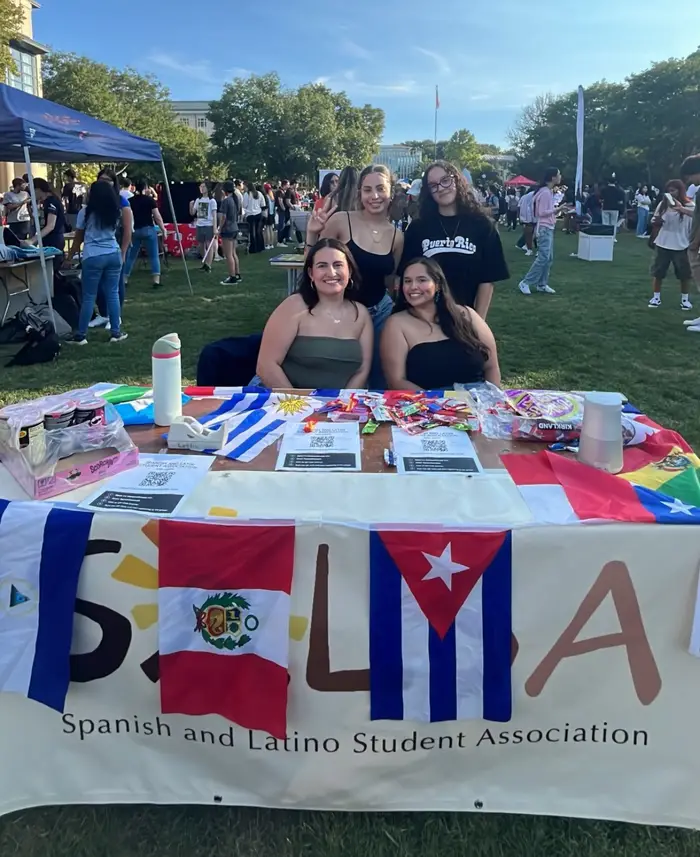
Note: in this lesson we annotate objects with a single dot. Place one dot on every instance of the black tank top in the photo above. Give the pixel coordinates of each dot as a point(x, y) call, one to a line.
point(373, 269)
point(440, 365)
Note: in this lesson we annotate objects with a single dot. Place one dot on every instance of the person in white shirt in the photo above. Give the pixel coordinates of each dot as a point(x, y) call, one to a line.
point(527, 218)
point(253, 204)
point(643, 201)
point(672, 242)
point(203, 209)
point(17, 209)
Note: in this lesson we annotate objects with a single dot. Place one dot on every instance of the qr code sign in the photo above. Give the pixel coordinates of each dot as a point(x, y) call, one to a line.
point(322, 441)
point(156, 479)
point(433, 444)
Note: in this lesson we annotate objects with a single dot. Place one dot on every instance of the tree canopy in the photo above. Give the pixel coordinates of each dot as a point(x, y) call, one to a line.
point(132, 101)
point(11, 16)
point(641, 129)
point(262, 128)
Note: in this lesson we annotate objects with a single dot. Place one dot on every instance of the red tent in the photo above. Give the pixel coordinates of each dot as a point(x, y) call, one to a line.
point(520, 181)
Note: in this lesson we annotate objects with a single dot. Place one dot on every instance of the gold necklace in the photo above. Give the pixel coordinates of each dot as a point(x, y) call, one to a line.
point(454, 235)
point(330, 315)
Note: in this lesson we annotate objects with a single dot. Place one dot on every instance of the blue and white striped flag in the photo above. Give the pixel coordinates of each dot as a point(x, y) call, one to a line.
point(41, 551)
point(255, 420)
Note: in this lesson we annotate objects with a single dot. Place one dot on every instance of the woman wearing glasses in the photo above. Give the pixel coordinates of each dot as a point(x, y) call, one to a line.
point(453, 229)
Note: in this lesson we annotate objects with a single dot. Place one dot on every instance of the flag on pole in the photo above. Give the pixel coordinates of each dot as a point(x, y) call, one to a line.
point(223, 614)
point(440, 626)
point(437, 98)
point(41, 551)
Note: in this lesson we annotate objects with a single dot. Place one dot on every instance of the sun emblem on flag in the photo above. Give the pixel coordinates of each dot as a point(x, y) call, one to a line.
point(225, 621)
point(292, 405)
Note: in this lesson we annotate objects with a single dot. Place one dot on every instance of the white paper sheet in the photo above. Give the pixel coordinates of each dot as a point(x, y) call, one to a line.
point(330, 446)
point(157, 486)
point(438, 450)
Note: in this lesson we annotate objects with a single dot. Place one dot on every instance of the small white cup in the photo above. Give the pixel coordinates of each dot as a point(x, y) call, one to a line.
point(601, 433)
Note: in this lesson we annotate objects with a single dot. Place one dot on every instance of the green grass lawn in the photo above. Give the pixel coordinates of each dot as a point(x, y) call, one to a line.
point(595, 333)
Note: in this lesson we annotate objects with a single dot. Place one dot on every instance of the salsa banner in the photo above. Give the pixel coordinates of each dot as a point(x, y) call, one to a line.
point(604, 693)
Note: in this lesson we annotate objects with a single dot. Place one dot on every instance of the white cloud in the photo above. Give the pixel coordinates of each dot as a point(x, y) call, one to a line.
point(201, 70)
point(349, 82)
point(352, 49)
point(442, 65)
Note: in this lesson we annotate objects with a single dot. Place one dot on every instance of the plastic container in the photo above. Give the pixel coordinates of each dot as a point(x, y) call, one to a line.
point(167, 379)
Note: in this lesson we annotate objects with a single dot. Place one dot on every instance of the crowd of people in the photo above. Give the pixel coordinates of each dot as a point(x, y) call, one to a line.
point(397, 280)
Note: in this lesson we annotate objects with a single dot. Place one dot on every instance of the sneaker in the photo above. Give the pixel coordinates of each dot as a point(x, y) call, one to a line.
point(655, 301)
point(98, 321)
point(693, 328)
point(118, 337)
point(238, 278)
point(692, 321)
point(281, 245)
point(685, 303)
point(76, 339)
point(524, 288)
point(548, 290)
point(206, 268)
point(528, 252)
point(229, 281)
point(108, 326)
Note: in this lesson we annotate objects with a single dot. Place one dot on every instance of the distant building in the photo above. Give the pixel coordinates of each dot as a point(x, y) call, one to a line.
point(27, 55)
point(401, 160)
point(503, 164)
point(194, 115)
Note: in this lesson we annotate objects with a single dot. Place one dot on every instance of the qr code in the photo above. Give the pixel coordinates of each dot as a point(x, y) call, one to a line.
point(434, 444)
point(322, 441)
point(157, 479)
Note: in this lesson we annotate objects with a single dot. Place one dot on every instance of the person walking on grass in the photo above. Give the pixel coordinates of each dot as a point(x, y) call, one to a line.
point(545, 216)
point(229, 215)
point(643, 202)
point(527, 219)
point(674, 215)
point(690, 172)
point(203, 209)
point(146, 218)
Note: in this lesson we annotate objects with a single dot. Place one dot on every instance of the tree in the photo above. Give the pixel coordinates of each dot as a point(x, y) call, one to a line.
point(132, 101)
point(261, 128)
point(11, 19)
point(463, 150)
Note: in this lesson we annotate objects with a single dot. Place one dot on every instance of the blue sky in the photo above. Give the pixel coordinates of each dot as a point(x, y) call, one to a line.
point(489, 59)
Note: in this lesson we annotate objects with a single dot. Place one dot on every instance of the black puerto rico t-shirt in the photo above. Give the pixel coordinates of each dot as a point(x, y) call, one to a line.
point(467, 248)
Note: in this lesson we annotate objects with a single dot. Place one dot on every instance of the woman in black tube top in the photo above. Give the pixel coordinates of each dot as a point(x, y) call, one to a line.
point(432, 343)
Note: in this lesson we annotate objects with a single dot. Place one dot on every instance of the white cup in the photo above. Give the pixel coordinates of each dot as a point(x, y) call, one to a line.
point(601, 433)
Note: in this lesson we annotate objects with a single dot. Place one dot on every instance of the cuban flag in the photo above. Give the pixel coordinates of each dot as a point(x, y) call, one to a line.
point(440, 626)
point(255, 420)
point(223, 621)
point(41, 551)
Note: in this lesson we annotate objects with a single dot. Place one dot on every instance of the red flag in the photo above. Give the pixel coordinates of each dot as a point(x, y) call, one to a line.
point(223, 606)
point(437, 99)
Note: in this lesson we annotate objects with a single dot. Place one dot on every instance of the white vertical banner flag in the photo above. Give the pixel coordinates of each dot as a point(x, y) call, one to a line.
point(578, 188)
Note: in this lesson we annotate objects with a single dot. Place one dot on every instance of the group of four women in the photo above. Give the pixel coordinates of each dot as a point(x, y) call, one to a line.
point(343, 329)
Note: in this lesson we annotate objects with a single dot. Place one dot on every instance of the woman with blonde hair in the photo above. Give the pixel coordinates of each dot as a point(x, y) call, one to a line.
point(374, 242)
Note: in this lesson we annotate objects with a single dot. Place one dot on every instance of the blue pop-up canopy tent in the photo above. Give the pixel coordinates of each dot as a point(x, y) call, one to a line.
point(33, 128)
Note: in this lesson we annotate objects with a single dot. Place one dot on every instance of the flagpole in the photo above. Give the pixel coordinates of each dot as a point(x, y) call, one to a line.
point(437, 104)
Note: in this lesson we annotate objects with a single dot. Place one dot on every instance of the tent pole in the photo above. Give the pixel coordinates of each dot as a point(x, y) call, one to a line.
point(37, 226)
point(177, 228)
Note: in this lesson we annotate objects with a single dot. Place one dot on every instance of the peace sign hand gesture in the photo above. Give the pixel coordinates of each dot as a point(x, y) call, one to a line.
point(320, 217)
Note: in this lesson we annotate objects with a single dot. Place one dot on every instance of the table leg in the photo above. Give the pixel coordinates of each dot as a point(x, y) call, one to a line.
point(291, 281)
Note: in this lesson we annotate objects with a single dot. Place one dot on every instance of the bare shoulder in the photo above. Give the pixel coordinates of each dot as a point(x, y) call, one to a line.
point(362, 313)
point(397, 321)
point(291, 306)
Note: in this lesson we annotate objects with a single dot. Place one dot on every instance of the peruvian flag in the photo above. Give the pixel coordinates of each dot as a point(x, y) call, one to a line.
point(223, 607)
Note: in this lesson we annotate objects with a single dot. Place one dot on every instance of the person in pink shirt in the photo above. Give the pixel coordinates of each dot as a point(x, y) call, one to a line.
point(545, 213)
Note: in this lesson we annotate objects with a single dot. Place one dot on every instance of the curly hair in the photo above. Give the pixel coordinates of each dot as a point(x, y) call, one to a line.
point(467, 203)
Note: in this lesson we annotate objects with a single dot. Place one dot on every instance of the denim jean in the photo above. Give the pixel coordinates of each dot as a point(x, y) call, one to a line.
point(146, 235)
point(642, 220)
point(379, 313)
point(284, 225)
point(101, 274)
point(538, 275)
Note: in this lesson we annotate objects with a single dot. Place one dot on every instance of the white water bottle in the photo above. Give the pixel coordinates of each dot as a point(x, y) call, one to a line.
point(167, 379)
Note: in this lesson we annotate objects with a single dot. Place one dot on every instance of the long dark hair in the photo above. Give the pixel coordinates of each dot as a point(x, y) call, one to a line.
point(674, 184)
point(454, 323)
point(306, 288)
point(345, 195)
point(103, 205)
point(466, 202)
point(326, 183)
